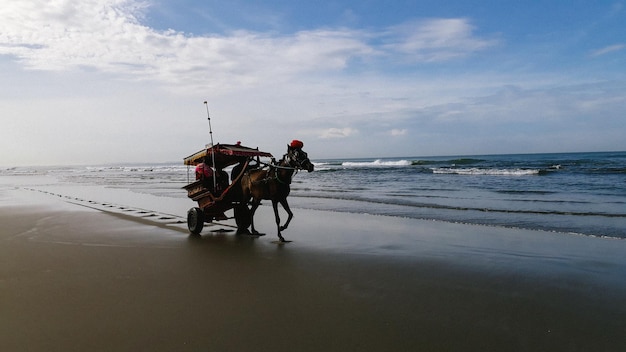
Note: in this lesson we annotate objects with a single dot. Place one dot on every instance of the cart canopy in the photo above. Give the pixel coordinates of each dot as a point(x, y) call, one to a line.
point(224, 155)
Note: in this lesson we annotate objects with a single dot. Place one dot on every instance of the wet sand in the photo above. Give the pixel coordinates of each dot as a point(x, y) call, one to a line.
point(74, 278)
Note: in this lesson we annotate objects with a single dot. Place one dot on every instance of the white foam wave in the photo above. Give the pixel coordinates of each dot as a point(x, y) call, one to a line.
point(376, 163)
point(131, 168)
point(488, 172)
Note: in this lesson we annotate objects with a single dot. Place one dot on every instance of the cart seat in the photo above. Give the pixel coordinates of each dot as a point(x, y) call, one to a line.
point(197, 190)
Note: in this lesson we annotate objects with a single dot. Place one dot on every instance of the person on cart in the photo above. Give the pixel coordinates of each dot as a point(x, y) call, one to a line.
point(221, 178)
point(205, 173)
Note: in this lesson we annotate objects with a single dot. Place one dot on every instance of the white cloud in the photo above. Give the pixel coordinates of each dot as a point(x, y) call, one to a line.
point(338, 133)
point(108, 35)
point(608, 49)
point(98, 76)
point(436, 39)
point(398, 132)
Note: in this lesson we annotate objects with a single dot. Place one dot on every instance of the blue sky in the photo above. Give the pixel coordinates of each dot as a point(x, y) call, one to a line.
point(105, 81)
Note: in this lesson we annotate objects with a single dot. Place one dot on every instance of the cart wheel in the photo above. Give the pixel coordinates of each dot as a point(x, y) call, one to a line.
point(195, 220)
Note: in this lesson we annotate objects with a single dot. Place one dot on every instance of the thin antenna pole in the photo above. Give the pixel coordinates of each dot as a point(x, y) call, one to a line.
point(212, 146)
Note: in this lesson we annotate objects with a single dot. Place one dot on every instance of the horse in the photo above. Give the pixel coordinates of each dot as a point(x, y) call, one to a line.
point(274, 184)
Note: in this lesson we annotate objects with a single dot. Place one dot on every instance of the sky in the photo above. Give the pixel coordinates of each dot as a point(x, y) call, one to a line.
point(125, 81)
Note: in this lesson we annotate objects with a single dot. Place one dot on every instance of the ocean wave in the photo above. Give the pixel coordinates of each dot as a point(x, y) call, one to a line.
point(327, 163)
point(413, 204)
point(21, 171)
point(376, 163)
point(485, 172)
point(522, 192)
point(453, 162)
point(608, 171)
point(135, 168)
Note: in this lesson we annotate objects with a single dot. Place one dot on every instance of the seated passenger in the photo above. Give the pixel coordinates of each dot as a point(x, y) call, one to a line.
point(205, 173)
point(222, 181)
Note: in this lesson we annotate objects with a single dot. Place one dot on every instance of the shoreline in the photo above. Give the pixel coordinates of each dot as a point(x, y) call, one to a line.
point(74, 277)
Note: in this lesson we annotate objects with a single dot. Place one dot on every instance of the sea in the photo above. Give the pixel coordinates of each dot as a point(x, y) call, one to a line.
point(582, 194)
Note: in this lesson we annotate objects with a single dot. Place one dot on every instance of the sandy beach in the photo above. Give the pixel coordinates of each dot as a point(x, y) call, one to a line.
point(75, 277)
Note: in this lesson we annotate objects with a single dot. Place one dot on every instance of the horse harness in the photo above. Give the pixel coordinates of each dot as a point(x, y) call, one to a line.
point(289, 158)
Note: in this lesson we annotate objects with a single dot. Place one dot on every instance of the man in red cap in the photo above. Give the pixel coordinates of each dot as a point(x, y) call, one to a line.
point(296, 144)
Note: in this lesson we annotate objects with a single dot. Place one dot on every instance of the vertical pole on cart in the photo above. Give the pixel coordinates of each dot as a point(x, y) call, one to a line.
point(212, 146)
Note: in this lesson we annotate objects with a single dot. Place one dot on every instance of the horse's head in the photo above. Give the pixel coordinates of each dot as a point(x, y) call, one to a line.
point(298, 159)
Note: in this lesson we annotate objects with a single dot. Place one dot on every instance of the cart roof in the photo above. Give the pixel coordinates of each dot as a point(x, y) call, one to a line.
point(224, 155)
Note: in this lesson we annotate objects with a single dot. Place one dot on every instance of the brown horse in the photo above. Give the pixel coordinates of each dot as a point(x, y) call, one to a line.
point(274, 184)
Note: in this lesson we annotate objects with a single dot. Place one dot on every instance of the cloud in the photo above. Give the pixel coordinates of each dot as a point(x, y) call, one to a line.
point(253, 80)
point(338, 133)
point(398, 132)
point(435, 39)
point(109, 36)
point(608, 49)
point(96, 73)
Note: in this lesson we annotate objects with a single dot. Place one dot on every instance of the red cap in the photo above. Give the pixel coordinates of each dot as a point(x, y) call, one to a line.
point(296, 144)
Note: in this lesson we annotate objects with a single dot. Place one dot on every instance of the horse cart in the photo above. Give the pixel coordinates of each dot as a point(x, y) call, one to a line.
point(217, 194)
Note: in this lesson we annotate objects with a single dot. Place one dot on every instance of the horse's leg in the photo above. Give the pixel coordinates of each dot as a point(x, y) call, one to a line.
point(285, 205)
point(275, 206)
point(255, 205)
